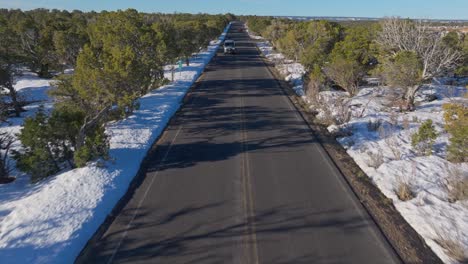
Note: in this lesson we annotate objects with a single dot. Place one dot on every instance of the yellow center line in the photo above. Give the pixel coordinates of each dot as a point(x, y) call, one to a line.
point(248, 197)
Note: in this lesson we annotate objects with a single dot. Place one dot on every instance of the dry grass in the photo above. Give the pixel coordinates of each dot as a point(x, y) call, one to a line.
point(453, 248)
point(385, 130)
point(326, 118)
point(393, 117)
point(343, 114)
point(394, 147)
point(375, 159)
point(457, 185)
point(459, 191)
point(313, 91)
point(405, 123)
point(404, 191)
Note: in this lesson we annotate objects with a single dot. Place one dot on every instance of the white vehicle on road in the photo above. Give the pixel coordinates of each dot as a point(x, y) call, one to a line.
point(229, 47)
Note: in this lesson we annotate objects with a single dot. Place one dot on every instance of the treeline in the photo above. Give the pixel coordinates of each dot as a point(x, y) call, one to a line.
point(117, 57)
point(403, 53)
point(328, 50)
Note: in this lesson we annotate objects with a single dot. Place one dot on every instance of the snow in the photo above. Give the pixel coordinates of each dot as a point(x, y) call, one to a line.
point(50, 222)
point(430, 213)
point(385, 153)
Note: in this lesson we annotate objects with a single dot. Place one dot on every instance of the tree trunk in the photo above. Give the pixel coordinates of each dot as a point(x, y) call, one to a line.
point(54, 160)
point(88, 125)
point(172, 72)
point(44, 71)
point(410, 96)
point(14, 100)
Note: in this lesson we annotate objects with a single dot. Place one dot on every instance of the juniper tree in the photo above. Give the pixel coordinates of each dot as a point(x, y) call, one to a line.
point(10, 57)
point(122, 62)
point(435, 56)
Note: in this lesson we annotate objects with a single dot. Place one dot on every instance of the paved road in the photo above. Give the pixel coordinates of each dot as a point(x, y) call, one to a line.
point(239, 178)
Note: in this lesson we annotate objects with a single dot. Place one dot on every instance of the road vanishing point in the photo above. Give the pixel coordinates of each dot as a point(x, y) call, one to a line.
point(238, 177)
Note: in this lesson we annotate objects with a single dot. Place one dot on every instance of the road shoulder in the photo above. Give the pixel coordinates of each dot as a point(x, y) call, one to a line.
point(406, 242)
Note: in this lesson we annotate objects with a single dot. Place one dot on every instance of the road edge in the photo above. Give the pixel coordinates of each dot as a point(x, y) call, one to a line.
point(140, 175)
point(409, 246)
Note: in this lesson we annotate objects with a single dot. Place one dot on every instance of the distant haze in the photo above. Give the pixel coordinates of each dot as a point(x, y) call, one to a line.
point(429, 9)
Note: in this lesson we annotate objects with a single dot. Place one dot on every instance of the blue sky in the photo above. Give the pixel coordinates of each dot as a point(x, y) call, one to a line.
point(438, 9)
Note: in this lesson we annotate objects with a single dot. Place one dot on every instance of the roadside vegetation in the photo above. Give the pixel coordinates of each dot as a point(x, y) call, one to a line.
point(101, 64)
point(392, 92)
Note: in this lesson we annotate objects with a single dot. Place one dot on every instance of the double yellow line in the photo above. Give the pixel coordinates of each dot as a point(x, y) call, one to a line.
point(247, 194)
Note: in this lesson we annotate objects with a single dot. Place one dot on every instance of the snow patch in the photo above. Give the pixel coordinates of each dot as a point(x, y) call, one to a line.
point(50, 222)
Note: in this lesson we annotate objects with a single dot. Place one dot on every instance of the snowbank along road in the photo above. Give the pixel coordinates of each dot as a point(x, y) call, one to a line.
point(239, 178)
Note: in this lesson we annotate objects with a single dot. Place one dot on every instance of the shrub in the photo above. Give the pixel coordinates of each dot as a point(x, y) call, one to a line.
point(405, 123)
point(456, 185)
point(375, 159)
point(50, 143)
point(394, 147)
point(456, 124)
point(96, 146)
point(459, 190)
point(345, 73)
point(38, 157)
point(453, 248)
point(424, 139)
point(404, 191)
point(315, 82)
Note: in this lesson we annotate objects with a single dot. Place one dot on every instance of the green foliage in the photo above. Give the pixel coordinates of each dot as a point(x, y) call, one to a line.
point(315, 81)
point(346, 73)
point(456, 124)
point(10, 56)
point(277, 30)
point(402, 70)
point(184, 34)
point(463, 69)
point(414, 54)
point(326, 49)
point(50, 142)
point(46, 39)
point(38, 157)
point(318, 39)
point(96, 146)
point(424, 139)
point(122, 62)
point(257, 24)
point(452, 40)
point(357, 46)
point(289, 45)
point(309, 42)
point(117, 56)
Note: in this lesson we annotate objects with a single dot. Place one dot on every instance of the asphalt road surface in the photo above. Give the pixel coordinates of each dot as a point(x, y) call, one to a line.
point(238, 177)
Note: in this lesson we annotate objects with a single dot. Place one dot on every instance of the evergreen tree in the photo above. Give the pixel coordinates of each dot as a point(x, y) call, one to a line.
point(10, 56)
point(38, 157)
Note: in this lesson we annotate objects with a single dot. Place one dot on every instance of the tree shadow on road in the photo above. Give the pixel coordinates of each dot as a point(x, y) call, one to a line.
point(219, 239)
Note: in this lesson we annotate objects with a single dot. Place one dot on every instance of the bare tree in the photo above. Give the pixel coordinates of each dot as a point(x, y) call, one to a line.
point(405, 35)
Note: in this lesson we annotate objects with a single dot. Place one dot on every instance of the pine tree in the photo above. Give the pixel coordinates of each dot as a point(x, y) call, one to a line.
point(424, 139)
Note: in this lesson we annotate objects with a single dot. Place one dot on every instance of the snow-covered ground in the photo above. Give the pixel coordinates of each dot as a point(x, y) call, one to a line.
point(378, 138)
point(50, 222)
